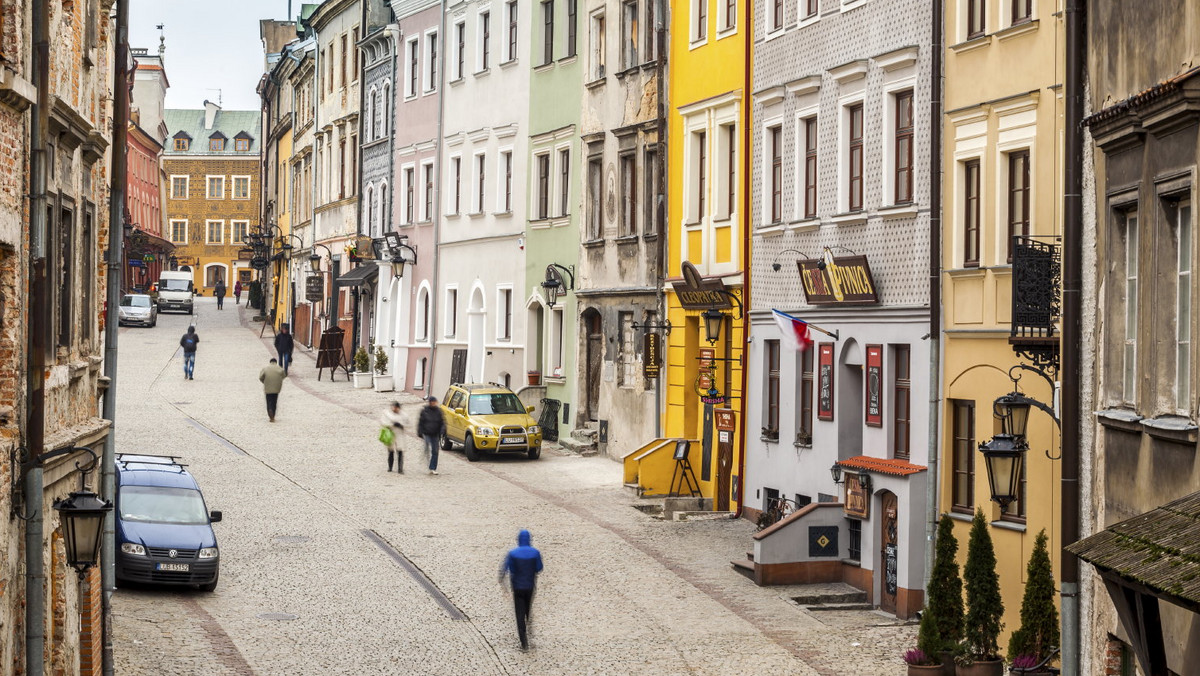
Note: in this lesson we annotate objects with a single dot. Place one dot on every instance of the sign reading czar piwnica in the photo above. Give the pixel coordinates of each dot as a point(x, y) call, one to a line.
point(842, 280)
point(697, 293)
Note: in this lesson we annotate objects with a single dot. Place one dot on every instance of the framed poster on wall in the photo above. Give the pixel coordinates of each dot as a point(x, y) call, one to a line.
point(825, 382)
point(874, 390)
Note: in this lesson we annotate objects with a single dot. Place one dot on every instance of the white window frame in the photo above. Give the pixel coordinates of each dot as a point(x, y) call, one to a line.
point(800, 168)
point(510, 7)
point(555, 354)
point(1129, 342)
point(455, 184)
point(450, 316)
point(383, 222)
point(775, 122)
point(843, 152)
point(772, 30)
point(888, 142)
point(536, 195)
point(1006, 15)
point(724, 210)
point(1184, 293)
point(233, 224)
point(187, 186)
point(422, 325)
point(723, 27)
point(695, 37)
point(630, 59)
point(427, 170)
point(171, 225)
point(372, 107)
point(233, 191)
point(460, 29)
point(368, 206)
point(429, 67)
point(385, 115)
point(543, 7)
point(691, 169)
point(208, 223)
point(483, 61)
point(556, 205)
point(848, 5)
point(803, 21)
point(478, 201)
point(208, 187)
point(598, 45)
point(411, 46)
point(500, 290)
point(502, 208)
point(408, 170)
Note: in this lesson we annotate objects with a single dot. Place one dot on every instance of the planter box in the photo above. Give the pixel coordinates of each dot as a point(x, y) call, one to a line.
point(990, 668)
point(535, 377)
point(385, 383)
point(361, 381)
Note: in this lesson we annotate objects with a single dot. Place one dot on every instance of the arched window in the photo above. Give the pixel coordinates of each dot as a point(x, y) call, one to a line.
point(371, 107)
point(423, 317)
point(383, 208)
point(387, 97)
point(369, 206)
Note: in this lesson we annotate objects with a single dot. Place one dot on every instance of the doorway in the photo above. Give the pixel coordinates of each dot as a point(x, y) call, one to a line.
point(458, 367)
point(595, 361)
point(889, 555)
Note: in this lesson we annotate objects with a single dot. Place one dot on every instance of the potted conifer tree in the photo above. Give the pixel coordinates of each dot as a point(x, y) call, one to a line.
point(362, 369)
point(980, 655)
point(383, 381)
point(942, 620)
point(1038, 636)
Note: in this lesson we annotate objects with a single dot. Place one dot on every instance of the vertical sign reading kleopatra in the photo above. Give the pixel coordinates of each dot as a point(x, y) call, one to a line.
point(825, 379)
point(874, 407)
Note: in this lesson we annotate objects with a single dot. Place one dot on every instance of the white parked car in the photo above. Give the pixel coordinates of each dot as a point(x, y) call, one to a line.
point(137, 308)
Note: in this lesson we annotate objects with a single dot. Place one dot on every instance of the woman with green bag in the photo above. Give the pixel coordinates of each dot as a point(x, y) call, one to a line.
point(390, 437)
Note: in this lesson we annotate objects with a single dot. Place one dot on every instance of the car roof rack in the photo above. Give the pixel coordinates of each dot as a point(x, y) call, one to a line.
point(150, 459)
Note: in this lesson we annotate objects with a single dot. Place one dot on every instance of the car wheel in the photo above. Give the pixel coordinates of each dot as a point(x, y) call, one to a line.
point(534, 453)
point(211, 586)
point(469, 449)
point(446, 443)
point(154, 323)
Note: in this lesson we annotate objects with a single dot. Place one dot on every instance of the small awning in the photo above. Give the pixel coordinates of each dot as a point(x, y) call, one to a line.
point(892, 466)
point(359, 276)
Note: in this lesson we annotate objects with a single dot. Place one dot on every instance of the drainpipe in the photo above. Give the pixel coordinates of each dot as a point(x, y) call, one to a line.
point(437, 226)
point(935, 285)
point(747, 87)
point(38, 351)
point(660, 208)
point(116, 244)
point(1072, 268)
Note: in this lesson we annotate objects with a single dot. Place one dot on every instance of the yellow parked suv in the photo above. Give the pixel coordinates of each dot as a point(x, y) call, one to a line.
point(489, 418)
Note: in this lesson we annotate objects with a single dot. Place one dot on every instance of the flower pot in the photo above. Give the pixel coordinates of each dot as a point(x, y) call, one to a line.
point(362, 381)
point(535, 377)
point(981, 668)
point(922, 670)
point(384, 383)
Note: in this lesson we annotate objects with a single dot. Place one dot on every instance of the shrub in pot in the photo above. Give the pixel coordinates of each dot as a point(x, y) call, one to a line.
point(942, 619)
point(920, 664)
point(1038, 635)
point(362, 368)
point(985, 607)
point(383, 381)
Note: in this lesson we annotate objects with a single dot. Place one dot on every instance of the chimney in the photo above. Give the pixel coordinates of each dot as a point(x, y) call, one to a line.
point(210, 113)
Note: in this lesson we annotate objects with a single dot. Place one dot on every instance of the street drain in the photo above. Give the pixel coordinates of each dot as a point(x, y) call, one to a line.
point(278, 616)
point(290, 539)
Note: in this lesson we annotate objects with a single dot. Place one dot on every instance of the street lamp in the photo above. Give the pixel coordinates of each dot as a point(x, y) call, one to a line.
point(553, 285)
point(836, 471)
point(401, 253)
point(314, 259)
point(714, 319)
point(1003, 456)
point(82, 516)
point(1013, 412)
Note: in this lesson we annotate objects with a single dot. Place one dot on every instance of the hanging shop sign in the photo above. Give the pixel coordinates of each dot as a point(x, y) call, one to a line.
point(874, 404)
point(259, 263)
point(725, 419)
point(651, 354)
point(825, 382)
point(314, 288)
point(246, 254)
point(837, 280)
point(857, 498)
point(361, 247)
point(697, 293)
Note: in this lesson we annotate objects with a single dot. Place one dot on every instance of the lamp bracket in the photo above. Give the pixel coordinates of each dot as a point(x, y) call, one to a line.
point(664, 326)
point(1016, 378)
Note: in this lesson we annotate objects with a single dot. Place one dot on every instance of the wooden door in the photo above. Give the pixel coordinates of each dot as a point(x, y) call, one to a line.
point(595, 365)
point(889, 556)
point(458, 367)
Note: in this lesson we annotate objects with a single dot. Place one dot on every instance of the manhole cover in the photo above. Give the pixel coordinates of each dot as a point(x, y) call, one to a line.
point(277, 616)
point(292, 538)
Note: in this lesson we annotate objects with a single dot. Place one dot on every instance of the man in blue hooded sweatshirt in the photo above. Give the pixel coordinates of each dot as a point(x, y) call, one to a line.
point(522, 564)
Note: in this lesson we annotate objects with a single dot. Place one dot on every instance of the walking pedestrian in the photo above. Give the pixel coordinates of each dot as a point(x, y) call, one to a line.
point(237, 296)
point(272, 379)
point(219, 292)
point(188, 342)
point(522, 565)
point(284, 346)
point(431, 425)
point(391, 421)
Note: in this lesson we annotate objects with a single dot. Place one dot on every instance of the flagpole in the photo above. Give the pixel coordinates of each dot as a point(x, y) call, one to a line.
point(810, 325)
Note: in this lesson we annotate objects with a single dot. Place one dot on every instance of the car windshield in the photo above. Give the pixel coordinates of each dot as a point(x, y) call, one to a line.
point(173, 285)
point(135, 301)
point(500, 402)
point(156, 504)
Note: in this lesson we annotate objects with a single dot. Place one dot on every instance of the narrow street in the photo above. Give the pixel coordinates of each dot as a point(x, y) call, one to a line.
point(330, 564)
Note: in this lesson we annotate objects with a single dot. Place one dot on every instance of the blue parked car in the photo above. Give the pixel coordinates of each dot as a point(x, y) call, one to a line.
point(163, 528)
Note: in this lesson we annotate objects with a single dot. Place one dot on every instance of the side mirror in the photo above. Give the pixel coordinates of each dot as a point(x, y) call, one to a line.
point(214, 516)
point(529, 409)
point(460, 411)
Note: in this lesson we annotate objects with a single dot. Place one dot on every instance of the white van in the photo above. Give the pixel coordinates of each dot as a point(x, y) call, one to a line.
point(175, 291)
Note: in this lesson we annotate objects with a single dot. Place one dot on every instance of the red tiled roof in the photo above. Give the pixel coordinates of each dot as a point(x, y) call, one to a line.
point(882, 465)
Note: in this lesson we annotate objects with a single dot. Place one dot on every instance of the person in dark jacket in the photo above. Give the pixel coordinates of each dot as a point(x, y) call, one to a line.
point(284, 346)
point(219, 292)
point(189, 342)
point(430, 427)
point(522, 566)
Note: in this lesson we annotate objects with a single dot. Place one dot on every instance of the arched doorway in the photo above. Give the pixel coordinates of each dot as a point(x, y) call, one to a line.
point(849, 393)
point(889, 555)
point(593, 325)
point(476, 319)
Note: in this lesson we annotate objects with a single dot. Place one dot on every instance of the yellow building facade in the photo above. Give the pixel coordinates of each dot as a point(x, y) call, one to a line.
point(1002, 150)
point(708, 118)
point(284, 292)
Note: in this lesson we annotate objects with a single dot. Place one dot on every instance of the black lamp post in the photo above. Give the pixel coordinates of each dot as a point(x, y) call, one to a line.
point(836, 471)
point(82, 515)
point(553, 285)
point(1003, 456)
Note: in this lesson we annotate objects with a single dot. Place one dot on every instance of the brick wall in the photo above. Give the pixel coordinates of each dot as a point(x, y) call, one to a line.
point(91, 629)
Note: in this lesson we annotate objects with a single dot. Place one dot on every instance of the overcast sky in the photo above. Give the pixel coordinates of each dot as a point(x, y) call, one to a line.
point(211, 45)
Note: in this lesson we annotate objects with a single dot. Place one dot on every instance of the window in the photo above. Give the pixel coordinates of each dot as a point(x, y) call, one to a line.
point(369, 207)
point(976, 24)
point(595, 198)
point(460, 49)
point(651, 31)
point(775, 141)
point(1129, 390)
point(811, 7)
point(729, 15)
point(485, 39)
point(543, 185)
point(572, 28)
point(1022, 11)
point(179, 187)
point(342, 63)
point(480, 181)
point(854, 533)
point(810, 167)
point(238, 231)
point(216, 144)
point(855, 174)
point(506, 161)
point(431, 61)
point(352, 167)
point(556, 341)
point(215, 232)
point(410, 189)
point(805, 431)
point(1183, 305)
point(771, 415)
point(962, 488)
point(385, 118)
point(411, 68)
point(451, 325)
point(504, 330)
point(701, 173)
point(628, 225)
point(629, 34)
point(241, 187)
point(181, 144)
point(564, 181)
point(731, 170)
point(511, 9)
point(1018, 198)
point(179, 232)
point(329, 76)
point(599, 52)
point(423, 318)
point(216, 187)
point(427, 175)
point(650, 171)
point(456, 178)
point(354, 46)
point(241, 144)
point(699, 20)
point(971, 213)
point(383, 210)
point(901, 402)
point(626, 351)
point(67, 276)
point(547, 32)
point(904, 148)
point(776, 15)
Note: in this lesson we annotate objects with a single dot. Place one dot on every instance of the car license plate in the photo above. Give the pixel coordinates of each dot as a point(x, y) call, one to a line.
point(173, 567)
point(513, 440)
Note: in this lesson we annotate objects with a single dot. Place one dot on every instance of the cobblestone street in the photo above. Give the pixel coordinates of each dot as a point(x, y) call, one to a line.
point(330, 564)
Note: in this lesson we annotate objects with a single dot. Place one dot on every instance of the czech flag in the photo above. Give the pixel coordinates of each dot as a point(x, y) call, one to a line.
point(795, 331)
